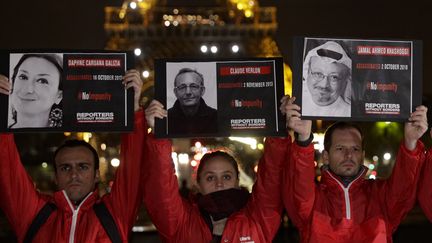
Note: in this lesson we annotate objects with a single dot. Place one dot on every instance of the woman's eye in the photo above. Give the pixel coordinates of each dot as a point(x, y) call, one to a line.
point(23, 77)
point(227, 177)
point(42, 81)
point(210, 178)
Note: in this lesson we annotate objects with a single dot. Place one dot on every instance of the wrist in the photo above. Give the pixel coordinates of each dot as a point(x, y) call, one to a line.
point(303, 140)
point(410, 145)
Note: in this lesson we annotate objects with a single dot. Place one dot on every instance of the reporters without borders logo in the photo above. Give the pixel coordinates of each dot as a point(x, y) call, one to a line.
point(95, 117)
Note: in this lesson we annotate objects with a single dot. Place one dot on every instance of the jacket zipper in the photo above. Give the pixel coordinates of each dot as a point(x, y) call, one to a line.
point(346, 194)
point(74, 216)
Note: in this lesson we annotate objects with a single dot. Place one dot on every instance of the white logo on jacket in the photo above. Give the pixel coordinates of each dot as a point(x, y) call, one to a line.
point(246, 239)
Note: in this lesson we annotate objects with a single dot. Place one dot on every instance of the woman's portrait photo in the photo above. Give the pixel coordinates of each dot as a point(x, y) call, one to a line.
point(36, 94)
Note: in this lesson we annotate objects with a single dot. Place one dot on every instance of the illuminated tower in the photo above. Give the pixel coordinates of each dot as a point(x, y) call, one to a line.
point(186, 28)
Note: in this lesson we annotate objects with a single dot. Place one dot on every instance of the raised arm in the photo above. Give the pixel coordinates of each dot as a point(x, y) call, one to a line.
point(126, 194)
point(425, 185)
point(298, 186)
point(400, 189)
point(265, 205)
point(161, 192)
point(20, 200)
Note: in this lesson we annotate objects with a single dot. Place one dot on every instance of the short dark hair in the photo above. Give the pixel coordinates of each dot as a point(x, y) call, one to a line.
point(189, 70)
point(339, 126)
point(52, 58)
point(218, 153)
point(77, 143)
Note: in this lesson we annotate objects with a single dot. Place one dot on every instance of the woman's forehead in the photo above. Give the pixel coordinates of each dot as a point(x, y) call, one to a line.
point(40, 65)
point(217, 164)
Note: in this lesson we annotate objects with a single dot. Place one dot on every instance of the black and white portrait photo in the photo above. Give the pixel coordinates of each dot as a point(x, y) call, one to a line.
point(191, 98)
point(327, 72)
point(36, 96)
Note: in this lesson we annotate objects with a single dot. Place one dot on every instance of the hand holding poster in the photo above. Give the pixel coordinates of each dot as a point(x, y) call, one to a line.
point(351, 79)
point(66, 92)
point(220, 98)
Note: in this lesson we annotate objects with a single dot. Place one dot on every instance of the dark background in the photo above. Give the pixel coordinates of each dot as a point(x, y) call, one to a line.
point(78, 24)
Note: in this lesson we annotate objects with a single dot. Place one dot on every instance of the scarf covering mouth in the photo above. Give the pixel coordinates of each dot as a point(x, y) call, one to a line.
point(221, 204)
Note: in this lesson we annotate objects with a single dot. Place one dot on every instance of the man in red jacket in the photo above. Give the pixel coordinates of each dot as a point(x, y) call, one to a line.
point(344, 206)
point(74, 216)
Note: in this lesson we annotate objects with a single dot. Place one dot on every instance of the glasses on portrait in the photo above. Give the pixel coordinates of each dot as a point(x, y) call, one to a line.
point(192, 87)
point(332, 77)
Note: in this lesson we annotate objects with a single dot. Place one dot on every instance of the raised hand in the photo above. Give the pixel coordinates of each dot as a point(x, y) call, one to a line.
point(293, 118)
point(132, 79)
point(154, 110)
point(416, 126)
point(5, 86)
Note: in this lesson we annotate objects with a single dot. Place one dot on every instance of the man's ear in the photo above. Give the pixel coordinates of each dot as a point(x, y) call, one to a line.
point(202, 91)
point(325, 157)
point(175, 93)
point(97, 176)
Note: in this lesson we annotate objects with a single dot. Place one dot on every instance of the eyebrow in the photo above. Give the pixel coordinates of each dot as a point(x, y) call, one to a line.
point(223, 172)
point(39, 74)
point(69, 163)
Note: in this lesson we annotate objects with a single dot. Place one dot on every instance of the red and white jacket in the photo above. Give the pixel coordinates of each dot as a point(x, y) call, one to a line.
point(425, 186)
point(179, 220)
point(364, 211)
point(21, 202)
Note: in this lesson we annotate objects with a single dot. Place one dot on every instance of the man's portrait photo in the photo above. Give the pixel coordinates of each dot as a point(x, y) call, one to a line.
point(326, 88)
point(192, 98)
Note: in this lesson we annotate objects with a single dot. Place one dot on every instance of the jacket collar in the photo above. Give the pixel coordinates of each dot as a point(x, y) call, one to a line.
point(331, 179)
point(62, 201)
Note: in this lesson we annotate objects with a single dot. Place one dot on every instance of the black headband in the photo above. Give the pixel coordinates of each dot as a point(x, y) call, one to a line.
point(329, 53)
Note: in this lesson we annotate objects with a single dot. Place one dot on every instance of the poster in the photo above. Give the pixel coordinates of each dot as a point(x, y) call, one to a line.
point(66, 91)
point(357, 79)
point(218, 98)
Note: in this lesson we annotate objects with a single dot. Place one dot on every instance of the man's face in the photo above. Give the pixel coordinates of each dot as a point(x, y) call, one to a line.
point(346, 153)
point(326, 80)
point(75, 172)
point(188, 89)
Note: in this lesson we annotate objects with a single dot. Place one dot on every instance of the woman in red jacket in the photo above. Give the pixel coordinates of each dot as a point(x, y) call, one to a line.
point(221, 212)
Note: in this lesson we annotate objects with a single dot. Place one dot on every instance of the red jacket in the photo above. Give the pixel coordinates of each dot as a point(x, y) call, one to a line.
point(179, 220)
point(21, 201)
point(364, 211)
point(425, 187)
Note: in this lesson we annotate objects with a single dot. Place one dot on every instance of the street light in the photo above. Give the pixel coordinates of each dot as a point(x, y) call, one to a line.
point(204, 49)
point(115, 162)
point(133, 5)
point(387, 156)
point(137, 51)
point(235, 48)
point(214, 49)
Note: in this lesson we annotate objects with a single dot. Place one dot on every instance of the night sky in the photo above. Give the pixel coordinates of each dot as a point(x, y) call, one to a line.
point(78, 24)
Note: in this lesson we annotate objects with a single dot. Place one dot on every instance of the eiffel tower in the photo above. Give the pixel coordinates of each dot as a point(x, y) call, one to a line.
point(187, 28)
